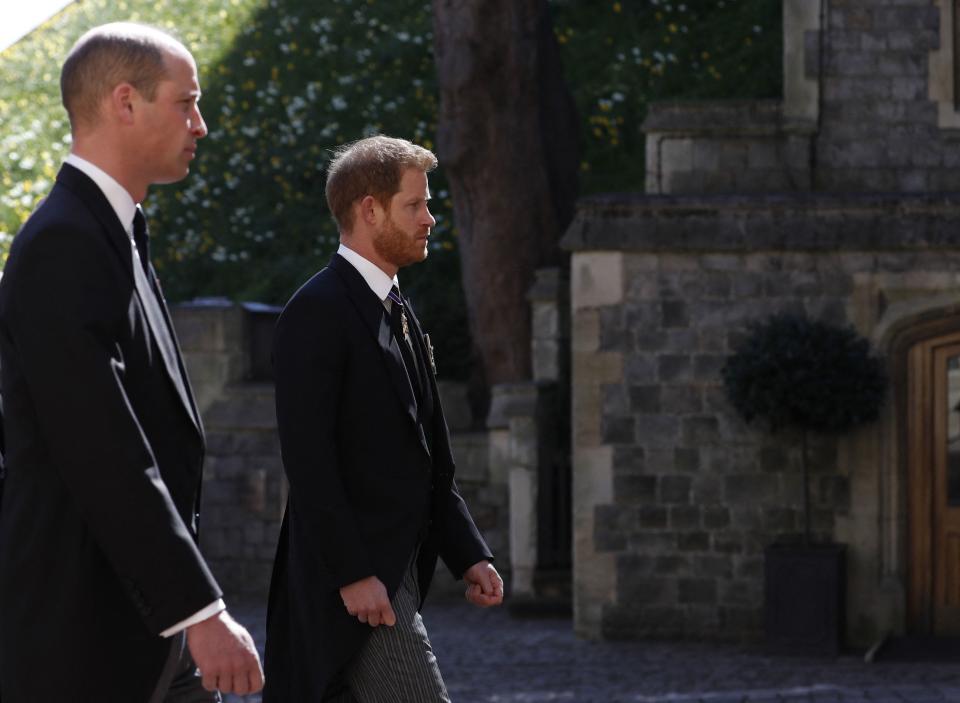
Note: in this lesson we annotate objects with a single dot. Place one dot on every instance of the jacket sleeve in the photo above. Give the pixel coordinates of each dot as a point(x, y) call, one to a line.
point(460, 543)
point(310, 354)
point(69, 307)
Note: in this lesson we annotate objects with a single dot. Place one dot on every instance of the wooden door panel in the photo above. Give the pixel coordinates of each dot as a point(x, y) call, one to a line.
point(933, 467)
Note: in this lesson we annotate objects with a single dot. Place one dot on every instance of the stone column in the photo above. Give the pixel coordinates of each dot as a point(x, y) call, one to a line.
point(512, 421)
point(597, 282)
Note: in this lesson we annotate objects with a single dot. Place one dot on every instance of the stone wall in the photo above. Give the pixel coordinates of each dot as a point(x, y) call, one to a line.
point(869, 105)
point(725, 147)
point(886, 66)
point(244, 489)
point(675, 497)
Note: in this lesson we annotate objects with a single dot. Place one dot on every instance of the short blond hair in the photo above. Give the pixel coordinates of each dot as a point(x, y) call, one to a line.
point(373, 166)
point(108, 55)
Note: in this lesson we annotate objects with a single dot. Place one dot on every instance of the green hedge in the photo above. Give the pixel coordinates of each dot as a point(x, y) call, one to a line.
point(286, 81)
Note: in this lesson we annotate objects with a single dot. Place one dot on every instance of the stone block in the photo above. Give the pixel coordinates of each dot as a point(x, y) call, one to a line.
point(763, 154)
point(647, 340)
point(653, 517)
point(707, 367)
point(674, 313)
point(676, 155)
point(639, 369)
point(657, 430)
point(652, 542)
point(511, 400)
point(906, 88)
point(611, 523)
point(642, 314)
point(699, 430)
point(645, 399)
point(681, 400)
point(683, 517)
point(675, 489)
point(774, 459)
point(727, 542)
point(716, 517)
point(617, 430)
point(629, 460)
point(779, 519)
point(707, 489)
point(661, 460)
point(523, 528)
point(706, 155)
point(671, 564)
point(851, 18)
point(672, 368)
point(681, 340)
point(686, 459)
point(922, 18)
point(638, 586)
point(546, 358)
point(214, 327)
point(586, 332)
point(697, 591)
point(597, 279)
point(693, 541)
point(632, 489)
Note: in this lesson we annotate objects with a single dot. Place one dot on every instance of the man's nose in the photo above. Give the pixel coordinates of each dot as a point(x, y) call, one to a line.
point(197, 125)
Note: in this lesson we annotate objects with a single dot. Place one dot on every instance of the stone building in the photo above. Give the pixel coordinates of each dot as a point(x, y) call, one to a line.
point(841, 201)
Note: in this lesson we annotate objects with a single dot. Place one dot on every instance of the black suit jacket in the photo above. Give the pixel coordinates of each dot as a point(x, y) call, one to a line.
point(98, 550)
point(368, 479)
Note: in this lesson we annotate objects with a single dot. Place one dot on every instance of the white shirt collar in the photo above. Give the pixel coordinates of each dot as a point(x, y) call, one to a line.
point(380, 283)
point(116, 194)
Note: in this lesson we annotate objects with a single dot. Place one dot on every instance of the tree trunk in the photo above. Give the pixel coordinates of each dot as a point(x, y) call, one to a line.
point(508, 143)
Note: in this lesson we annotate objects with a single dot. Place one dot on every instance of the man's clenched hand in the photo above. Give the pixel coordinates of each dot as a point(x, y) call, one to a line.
point(367, 601)
point(484, 585)
point(224, 652)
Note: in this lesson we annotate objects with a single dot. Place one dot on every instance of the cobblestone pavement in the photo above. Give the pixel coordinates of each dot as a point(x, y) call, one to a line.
point(489, 657)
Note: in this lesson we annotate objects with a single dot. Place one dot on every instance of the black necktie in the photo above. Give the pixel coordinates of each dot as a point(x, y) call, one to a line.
point(397, 324)
point(142, 239)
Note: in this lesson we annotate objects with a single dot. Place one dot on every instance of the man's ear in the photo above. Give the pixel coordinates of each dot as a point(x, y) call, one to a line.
point(121, 102)
point(370, 210)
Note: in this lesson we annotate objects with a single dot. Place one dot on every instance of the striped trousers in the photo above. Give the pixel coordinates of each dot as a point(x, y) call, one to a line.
point(397, 664)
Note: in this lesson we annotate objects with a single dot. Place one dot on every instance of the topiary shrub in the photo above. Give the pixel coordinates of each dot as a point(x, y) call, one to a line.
point(792, 371)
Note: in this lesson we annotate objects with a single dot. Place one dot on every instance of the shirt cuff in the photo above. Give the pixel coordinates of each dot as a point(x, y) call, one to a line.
point(201, 615)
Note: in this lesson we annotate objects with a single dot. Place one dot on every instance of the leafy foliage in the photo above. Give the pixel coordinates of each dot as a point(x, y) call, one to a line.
point(286, 81)
point(793, 371)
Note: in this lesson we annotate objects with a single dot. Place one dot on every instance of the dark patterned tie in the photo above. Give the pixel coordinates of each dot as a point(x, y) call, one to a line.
point(142, 239)
point(400, 327)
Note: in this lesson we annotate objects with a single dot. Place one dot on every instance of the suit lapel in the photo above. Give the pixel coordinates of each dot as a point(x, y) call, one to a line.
point(374, 316)
point(155, 312)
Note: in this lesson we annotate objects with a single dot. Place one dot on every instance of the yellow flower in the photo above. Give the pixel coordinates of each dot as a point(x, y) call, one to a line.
point(616, 7)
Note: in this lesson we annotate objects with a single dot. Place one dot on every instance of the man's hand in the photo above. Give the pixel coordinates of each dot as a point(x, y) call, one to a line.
point(484, 585)
point(224, 652)
point(367, 601)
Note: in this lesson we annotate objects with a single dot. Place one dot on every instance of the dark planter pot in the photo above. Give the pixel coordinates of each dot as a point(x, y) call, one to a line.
point(805, 598)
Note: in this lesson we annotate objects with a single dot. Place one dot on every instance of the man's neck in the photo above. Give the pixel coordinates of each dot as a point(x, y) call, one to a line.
point(102, 156)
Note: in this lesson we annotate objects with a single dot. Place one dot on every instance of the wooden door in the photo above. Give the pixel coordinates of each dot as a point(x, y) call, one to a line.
point(933, 429)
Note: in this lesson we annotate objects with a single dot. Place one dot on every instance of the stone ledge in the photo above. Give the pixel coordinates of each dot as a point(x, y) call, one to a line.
point(715, 118)
point(779, 222)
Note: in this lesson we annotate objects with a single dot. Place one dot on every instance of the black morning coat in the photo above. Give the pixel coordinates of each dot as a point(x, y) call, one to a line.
point(370, 473)
point(98, 550)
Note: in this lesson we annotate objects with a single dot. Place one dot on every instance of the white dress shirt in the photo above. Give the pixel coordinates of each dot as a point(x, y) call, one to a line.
point(125, 209)
point(380, 283)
